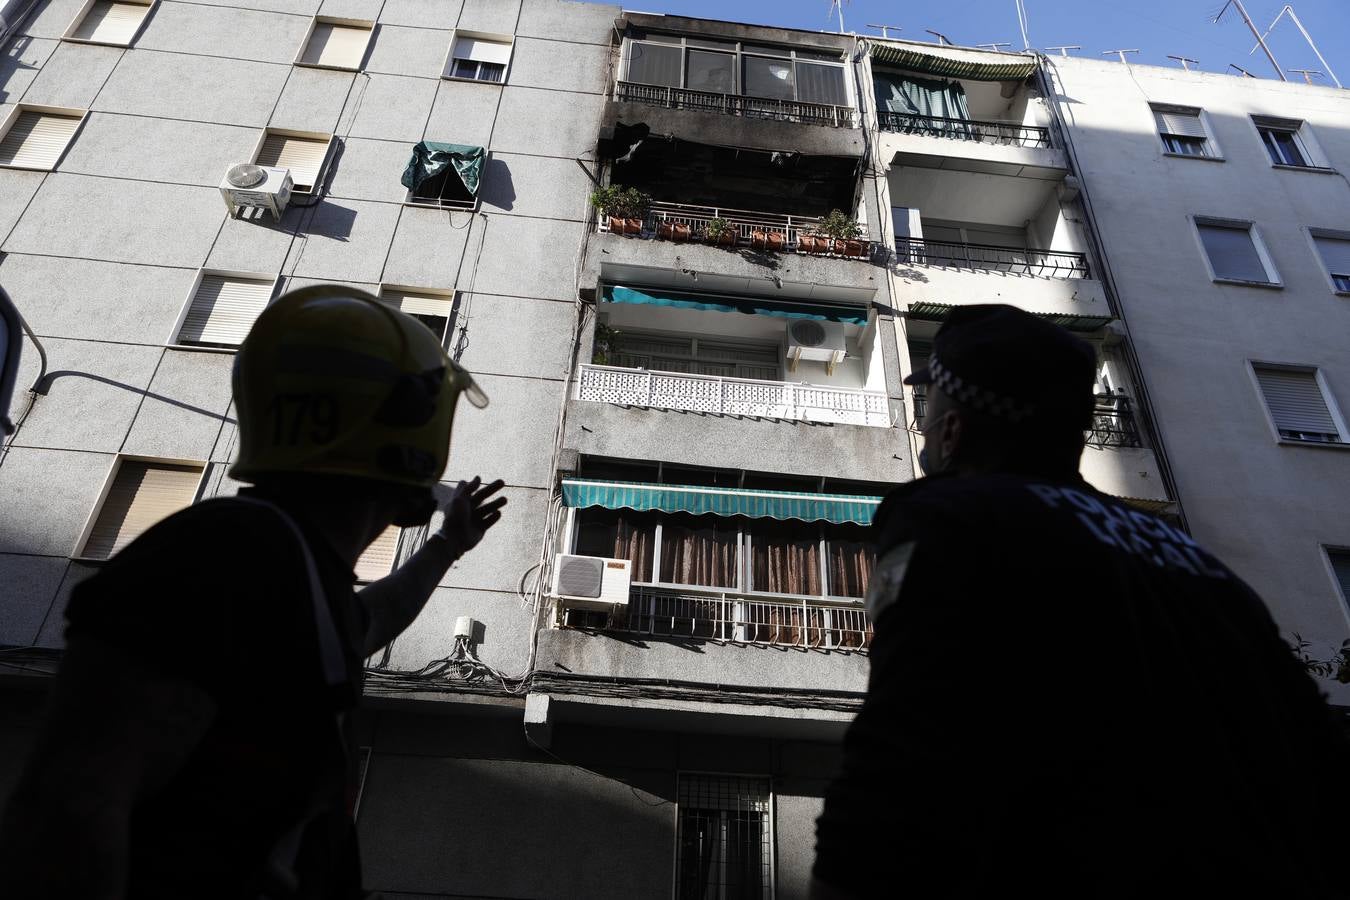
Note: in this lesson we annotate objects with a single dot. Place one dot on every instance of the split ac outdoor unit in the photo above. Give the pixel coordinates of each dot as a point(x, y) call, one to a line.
point(815, 341)
point(264, 187)
point(591, 582)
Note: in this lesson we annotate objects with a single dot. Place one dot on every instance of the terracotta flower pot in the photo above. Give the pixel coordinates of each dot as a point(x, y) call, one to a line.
point(681, 233)
point(632, 226)
point(759, 239)
point(855, 248)
point(774, 242)
point(728, 238)
point(665, 231)
point(616, 224)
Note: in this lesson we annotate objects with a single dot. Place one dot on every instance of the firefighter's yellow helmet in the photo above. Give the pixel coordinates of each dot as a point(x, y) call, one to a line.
point(331, 381)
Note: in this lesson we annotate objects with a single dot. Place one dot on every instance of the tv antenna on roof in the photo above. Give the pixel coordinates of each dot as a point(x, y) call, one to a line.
point(1240, 69)
point(1307, 74)
point(1289, 10)
point(942, 38)
point(1120, 53)
point(1064, 50)
point(837, 6)
point(996, 45)
point(1260, 39)
point(885, 29)
point(1186, 61)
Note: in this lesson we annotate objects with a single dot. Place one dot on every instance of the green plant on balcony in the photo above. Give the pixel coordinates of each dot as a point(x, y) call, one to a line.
point(719, 231)
point(840, 233)
point(606, 340)
point(625, 207)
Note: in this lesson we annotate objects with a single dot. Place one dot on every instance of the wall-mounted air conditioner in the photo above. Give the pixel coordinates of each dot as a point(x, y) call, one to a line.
point(247, 186)
point(815, 341)
point(591, 582)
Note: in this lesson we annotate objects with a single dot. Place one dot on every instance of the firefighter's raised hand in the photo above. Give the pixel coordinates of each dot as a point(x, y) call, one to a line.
point(470, 512)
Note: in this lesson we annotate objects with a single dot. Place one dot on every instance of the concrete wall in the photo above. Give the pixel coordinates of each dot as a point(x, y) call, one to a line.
point(1264, 507)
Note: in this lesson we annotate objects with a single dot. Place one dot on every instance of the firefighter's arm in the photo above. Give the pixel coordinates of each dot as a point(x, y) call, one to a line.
point(395, 601)
point(115, 733)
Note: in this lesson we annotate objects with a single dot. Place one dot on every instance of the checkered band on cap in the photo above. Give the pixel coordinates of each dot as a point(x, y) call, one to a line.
point(976, 397)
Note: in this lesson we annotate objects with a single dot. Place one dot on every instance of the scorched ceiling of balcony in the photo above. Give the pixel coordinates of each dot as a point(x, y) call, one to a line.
point(786, 183)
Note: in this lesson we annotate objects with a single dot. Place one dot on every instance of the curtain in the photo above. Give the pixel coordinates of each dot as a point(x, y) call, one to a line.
point(771, 78)
point(430, 159)
point(618, 534)
point(785, 560)
point(851, 564)
point(922, 98)
point(821, 84)
point(698, 551)
point(654, 64)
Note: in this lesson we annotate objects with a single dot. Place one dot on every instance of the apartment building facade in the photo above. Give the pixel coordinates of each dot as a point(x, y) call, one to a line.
point(694, 368)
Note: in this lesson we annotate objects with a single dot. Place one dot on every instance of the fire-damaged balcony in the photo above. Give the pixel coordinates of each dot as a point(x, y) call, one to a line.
point(775, 109)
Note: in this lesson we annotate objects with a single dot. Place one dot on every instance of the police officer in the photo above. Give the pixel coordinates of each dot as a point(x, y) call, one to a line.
point(198, 743)
point(1068, 697)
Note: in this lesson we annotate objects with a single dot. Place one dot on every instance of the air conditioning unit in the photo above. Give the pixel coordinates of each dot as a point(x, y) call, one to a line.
point(591, 582)
point(247, 186)
point(815, 341)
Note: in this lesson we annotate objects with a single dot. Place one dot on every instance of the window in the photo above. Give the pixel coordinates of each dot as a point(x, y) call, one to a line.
point(1287, 142)
point(1299, 405)
point(1183, 131)
point(731, 67)
point(444, 189)
point(674, 353)
point(303, 152)
point(113, 22)
point(1235, 252)
point(478, 57)
point(1334, 248)
point(138, 493)
point(221, 308)
point(335, 43)
point(724, 844)
point(378, 559)
point(434, 309)
point(34, 137)
point(1340, 569)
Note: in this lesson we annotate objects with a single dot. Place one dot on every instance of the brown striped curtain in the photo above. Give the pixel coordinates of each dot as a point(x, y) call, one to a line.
point(851, 564)
point(785, 557)
point(698, 550)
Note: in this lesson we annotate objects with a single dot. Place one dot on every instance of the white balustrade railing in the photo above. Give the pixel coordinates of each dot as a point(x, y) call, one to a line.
point(747, 226)
point(732, 396)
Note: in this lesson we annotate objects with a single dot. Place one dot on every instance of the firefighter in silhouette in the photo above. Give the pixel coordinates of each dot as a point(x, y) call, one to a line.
point(198, 742)
point(1069, 697)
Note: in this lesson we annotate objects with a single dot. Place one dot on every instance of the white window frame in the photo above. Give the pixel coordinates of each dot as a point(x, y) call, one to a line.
point(1211, 142)
point(77, 553)
point(1304, 139)
point(1262, 252)
point(452, 205)
point(1327, 397)
point(327, 137)
point(1327, 550)
point(1332, 234)
point(448, 66)
point(447, 294)
point(75, 23)
point(12, 118)
point(772, 824)
point(315, 22)
point(204, 272)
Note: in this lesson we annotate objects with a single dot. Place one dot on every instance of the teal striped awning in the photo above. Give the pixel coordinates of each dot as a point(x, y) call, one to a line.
point(954, 62)
point(783, 309)
point(938, 312)
point(839, 509)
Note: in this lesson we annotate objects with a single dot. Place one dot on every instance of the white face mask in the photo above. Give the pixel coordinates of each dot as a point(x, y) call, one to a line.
point(923, 452)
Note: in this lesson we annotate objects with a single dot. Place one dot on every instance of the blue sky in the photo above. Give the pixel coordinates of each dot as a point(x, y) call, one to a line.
point(1156, 27)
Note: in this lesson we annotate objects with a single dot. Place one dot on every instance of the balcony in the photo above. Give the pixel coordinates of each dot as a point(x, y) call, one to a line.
point(734, 619)
point(732, 396)
point(799, 112)
point(1113, 423)
point(991, 258)
point(1006, 134)
point(762, 231)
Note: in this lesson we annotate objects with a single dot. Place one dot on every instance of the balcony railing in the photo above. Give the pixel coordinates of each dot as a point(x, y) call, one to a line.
point(732, 396)
point(1005, 133)
point(799, 111)
point(985, 257)
point(1113, 423)
point(757, 230)
point(720, 616)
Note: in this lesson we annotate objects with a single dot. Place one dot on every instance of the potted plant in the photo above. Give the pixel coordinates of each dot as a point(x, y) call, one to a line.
point(811, 242)
point(719, 231)
point(605, 342)
point(625, 207)
point(842, 234)
point(679, 232)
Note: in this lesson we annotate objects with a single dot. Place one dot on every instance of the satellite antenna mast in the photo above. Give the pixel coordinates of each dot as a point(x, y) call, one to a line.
point(885, 29)
point(1064, 50)
point(1186, 61)
point(1307, 74)
point(837, 6)
point(1260, 40)
point(1022, 24)
point(1289, 10)
point(1120, 53)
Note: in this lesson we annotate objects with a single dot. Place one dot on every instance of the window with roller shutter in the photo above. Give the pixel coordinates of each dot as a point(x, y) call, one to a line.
point(1298, 405)
point(378, 559)
point(434, 309)
point(335, 43)
point(35, 137)
point(1235, 252)
point(111, 22)
point(1183, 131)
point(303, 152)
point(475, 56)
point(139, 492)
point(221, 308)
point(1334, 249)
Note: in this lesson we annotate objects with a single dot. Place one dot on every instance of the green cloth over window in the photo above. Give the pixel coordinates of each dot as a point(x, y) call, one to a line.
point(839, 509)
point(924, 99)
point(430, 159)
point(849, 315)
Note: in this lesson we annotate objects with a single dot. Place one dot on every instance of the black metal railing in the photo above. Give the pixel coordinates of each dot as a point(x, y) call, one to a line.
point(1005, 133)
point(799, 111)
point(986, 257)
point(1113, 423)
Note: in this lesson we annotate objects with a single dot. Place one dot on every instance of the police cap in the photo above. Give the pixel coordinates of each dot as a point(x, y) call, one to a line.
point(1009, 363)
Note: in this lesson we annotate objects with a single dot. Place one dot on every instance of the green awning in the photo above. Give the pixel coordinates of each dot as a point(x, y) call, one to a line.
point(430, 159)
point(955, 62)
point(783, 309)
point(698, 501)
point(937, 312)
